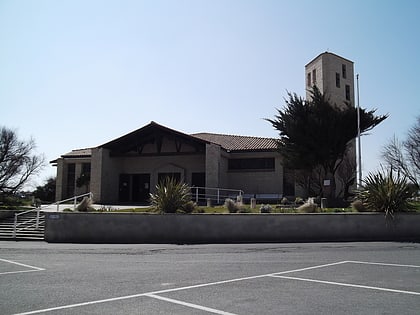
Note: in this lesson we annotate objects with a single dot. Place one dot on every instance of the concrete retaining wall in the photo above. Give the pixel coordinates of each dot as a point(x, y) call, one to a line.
point(4, 214)
point(228, 228)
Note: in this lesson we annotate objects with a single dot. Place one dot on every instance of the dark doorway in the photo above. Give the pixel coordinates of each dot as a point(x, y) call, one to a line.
point(140, 187)
point(198, 180)
point(134, 187)
point(124, 188)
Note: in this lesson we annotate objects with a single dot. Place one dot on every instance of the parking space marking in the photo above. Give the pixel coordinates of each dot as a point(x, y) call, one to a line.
point(31, 268)
point(173, 290)
point(381, 264)
point(347, 285)
point(196, 306)
point(279, 275)
point(156, 294)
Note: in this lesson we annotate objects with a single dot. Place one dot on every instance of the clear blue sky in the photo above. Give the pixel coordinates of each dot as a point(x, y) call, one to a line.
point(76, 74)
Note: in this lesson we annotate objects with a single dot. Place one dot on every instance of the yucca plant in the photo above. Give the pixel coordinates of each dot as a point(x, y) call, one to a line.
point(170, 196)
point(385, 191)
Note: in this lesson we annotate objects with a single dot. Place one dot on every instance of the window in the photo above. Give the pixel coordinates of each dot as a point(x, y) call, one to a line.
point(308, 81)
point(314, 77)
point(86, 168)
point(251, 164)
point(337, 79)
point(344, 71)
point(347, 92)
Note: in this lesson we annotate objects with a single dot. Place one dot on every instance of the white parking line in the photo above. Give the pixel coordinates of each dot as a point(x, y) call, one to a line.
point(170, 290)
point(381, 264)
point(347, 285)
point(199, 307)
point(155, 294)
point(32, 268)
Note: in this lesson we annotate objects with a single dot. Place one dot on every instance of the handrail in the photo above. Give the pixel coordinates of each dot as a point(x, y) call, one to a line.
point(72, 198)
point(38, 209)
point(216, 195)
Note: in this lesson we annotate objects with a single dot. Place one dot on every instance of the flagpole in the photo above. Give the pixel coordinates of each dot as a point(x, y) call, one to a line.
point(359, 182)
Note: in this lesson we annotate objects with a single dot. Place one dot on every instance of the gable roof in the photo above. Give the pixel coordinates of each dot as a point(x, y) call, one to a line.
point(232, 143)
point(149, 128)
point(79, 153)
point(239, 143)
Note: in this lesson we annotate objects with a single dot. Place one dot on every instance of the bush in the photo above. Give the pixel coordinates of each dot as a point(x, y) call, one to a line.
point(358, 206)
point(232, 206)
point(170, 196)
point(85, 205)
point(265, 209)
point(285, 201)
point(308, 207)
point(299, 201)
point(189, 207)
point(385, 191)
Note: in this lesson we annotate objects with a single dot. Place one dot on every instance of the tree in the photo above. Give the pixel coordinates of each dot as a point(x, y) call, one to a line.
point(316, 135)
point(405, 156)
point(17, 161)
point(47, 191)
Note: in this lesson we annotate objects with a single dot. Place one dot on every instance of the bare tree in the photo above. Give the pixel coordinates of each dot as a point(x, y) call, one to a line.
point(405, 156)
point(17, 161)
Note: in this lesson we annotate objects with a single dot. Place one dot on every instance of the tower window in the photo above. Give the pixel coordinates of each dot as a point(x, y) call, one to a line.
point(314, 76)
point(347, 92)
point(344, 71)
point(337, 79)
point(308, 81)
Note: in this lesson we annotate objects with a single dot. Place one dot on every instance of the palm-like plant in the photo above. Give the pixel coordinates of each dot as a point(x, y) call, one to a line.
point(170, 196)
point(386, 191)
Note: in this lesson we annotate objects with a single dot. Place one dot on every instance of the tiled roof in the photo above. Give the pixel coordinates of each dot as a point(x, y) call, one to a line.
point(239, 143)
point(79, 153)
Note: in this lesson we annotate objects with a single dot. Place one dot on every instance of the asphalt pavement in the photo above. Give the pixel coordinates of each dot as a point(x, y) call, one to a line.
point(298, 278)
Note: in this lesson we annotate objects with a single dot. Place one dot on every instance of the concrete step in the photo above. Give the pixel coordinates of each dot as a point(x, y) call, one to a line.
point(26, 230)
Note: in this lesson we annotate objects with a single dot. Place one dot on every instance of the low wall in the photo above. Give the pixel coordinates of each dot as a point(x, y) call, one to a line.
point(228, 228)
point(4, 214)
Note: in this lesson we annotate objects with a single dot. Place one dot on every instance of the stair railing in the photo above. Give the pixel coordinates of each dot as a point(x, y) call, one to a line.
point(38, 209)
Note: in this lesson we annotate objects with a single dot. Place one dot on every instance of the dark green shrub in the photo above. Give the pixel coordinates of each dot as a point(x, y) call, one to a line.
point(285, 201)
point(170, 196)
point(265, 209)
point(385, 191)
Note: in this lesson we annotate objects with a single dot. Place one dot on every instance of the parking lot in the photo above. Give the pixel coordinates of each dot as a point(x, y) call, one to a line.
point(298, 278)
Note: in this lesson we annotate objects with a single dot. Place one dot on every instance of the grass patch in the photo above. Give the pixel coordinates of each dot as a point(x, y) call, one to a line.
point(246, 209)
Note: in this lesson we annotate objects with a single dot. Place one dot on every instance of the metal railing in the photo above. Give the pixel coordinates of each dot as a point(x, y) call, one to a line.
point(16, 225)
point(72, 198)
point(214, 194)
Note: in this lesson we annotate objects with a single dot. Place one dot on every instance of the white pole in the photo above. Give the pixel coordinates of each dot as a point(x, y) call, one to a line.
point(359, 182)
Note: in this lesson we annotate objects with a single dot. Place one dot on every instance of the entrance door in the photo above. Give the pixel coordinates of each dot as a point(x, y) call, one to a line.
point(124, 188)
point(140, 187)
point(198, 180)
